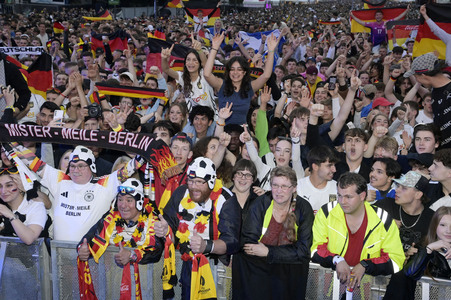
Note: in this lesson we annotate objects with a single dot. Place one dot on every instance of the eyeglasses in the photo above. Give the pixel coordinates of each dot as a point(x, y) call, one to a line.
point(127, 103)
point(283, 187)
point(79, 167)
point(244, 175)
point(196, 182)
point(124, 190)
point(11, 170)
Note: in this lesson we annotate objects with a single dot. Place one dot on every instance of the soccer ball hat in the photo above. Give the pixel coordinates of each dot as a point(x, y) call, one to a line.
point(134, 188)
point(204, 168)
point(84, 154)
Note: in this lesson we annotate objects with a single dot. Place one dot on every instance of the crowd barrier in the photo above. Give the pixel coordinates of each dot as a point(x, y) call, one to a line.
point(27, 272)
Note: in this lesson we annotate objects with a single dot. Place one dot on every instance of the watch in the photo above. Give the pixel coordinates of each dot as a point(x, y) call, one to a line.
point(364, 264)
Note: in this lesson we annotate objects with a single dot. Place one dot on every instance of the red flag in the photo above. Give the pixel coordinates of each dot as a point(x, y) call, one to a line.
point(58, 27)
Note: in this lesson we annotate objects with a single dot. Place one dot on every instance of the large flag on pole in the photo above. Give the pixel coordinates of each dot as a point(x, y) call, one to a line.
point(426, 41)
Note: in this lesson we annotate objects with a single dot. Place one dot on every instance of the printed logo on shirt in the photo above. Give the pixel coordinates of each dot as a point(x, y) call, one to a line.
point(65, 194)
point(89, 196)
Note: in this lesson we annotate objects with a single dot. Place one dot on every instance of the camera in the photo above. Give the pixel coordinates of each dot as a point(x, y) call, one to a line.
point(94, 111)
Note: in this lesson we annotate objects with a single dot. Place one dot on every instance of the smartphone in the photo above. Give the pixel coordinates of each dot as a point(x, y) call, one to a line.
point(332, 83)
point(58, 115)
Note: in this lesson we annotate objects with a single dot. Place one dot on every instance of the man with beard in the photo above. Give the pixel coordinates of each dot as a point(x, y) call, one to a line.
point(202, 221)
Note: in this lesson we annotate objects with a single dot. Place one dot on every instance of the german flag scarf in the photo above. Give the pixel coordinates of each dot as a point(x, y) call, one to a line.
point(131, 91)
point(101, 241)
point(205, 223)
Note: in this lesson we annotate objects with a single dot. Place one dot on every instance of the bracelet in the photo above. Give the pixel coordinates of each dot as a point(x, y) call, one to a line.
point(270, 51)
point(118, 128)
point(63, 95)
point(337, 259)
point(209, 247)
point(295, 140)
point(11, 107)
point(393, 78)
point(13, 218)
point(427, 248)
point(220, 124)
point(214, 49)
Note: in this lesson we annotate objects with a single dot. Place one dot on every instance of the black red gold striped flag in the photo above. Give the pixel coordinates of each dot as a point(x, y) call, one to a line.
point(175, 3)
point(177, 64)
point(426, 41)
point(58, 27)
point(118, 40)
point(206, 8)
point(329, 22)
point(368, 15)
point(130, 91)
point(101, 16)
point(40, 75)
point(156, 45)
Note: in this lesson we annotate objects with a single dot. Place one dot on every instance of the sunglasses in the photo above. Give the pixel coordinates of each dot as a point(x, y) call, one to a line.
point(124, 190)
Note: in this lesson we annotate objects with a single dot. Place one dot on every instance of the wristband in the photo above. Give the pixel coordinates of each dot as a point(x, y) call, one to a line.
point(427, 248)
point(11, 107)
point(269, 51)
point(133, 256)
point(393, 78)
point(337, 259)
point(220, 124)
point(13, 218)
point(209, 247)
point(295, 140)
point(214, 49)
point(118, 128)
point(63, 95)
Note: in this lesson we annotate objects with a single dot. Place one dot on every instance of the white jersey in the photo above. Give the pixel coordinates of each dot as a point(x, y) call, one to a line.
point(422, 118)
point(35, 212)
point(316, 197)
point(35, 104)
point(77, 207)
point(202, 93)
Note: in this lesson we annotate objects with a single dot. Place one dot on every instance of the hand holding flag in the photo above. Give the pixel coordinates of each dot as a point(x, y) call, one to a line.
point(83, 251)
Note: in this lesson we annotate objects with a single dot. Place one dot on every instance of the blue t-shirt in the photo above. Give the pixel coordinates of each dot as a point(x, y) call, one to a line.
point(240, 105)
point(366, 110)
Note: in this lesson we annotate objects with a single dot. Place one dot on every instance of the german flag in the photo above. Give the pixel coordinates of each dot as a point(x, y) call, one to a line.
point(101, 16)
point(177, 64)
point(401, 30)
point(58, 28)
point(40, 75)
point(207, 8)
point(426, 41)
point(157, 35)
point(130, 91)
point(156, 45)
point(175, 3)
point(329, 22)
point(367, 15)
point(118, 40)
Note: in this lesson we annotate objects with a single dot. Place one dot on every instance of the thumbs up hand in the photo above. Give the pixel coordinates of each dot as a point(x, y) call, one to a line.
point(123, 257)
point(161, 227)
point(83, 250)
point(197, 243)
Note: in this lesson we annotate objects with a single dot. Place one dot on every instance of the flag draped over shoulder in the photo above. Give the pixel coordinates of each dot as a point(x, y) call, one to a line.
point(118, 40)
point(156, 45)
point(367, 15)
point(426, 41)
point(100, 16)
point(206, 8)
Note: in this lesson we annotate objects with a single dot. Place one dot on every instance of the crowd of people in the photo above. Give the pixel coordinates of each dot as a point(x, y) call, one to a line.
point(318, 145)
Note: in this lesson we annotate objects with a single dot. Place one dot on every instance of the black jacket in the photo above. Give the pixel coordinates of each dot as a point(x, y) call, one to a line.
point(435, 262)
point(297, 253)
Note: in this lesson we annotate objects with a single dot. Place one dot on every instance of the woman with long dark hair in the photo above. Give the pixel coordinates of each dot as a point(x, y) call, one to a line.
point(237, 87)
point(194, 86)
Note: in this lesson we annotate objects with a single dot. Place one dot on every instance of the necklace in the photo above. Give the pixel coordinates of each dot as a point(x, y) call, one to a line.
point(402, 222)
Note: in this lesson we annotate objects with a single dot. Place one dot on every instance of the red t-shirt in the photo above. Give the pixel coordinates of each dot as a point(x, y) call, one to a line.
point(355, 244)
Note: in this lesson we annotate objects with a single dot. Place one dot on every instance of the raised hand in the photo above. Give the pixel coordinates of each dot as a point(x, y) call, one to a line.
point(166, 52)
point(245, 136)
point(317, 110)
point(355, 81)
point(265, 96)
point(217, 40)
point(224, 139)
point(226, 111)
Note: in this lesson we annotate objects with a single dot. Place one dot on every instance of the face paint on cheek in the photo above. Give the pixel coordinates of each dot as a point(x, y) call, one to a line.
point(14, 190)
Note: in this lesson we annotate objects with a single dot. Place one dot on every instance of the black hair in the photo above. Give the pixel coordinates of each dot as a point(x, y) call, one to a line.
point(50, 106)
point(428, 127)
point(347, 179)
point(245, 83)
point(200, 110)
point(319, 155)
point(392, 167)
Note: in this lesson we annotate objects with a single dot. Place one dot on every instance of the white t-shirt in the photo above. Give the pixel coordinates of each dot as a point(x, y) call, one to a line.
point(316, 197)
point(35, 212)
point(202, 92)
point(444, 201)
point(35, 102)
point(77, 207)
point(422, 118)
